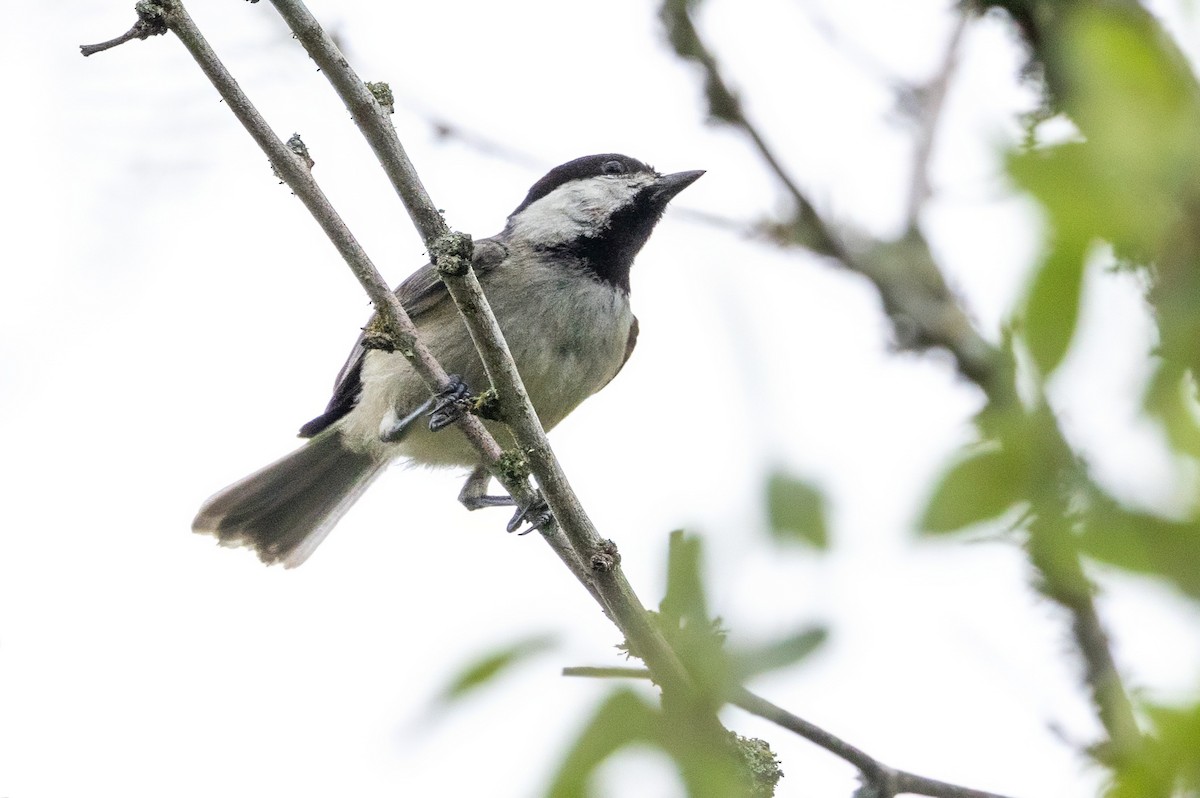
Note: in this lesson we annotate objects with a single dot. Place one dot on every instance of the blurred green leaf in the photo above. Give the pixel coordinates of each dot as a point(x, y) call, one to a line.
point(779, 654)
point(1135, 98)
point(1133, 181)
point(1168, 763)
point(491, 665)
point(1052, 307)
point(683, 619)
point(623, 719)
point(796, 511)
point(1170, 398)
point(1144, 543)
point(708, 764)
point(978, 487)
point(684, 602)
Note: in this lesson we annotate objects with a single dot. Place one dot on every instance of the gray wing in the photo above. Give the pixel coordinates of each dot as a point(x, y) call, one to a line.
point(422, 291)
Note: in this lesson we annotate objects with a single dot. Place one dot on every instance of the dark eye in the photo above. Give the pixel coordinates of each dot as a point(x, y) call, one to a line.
point(613, 168)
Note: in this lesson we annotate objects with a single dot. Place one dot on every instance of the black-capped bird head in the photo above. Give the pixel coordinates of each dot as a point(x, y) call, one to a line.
point(599, 209)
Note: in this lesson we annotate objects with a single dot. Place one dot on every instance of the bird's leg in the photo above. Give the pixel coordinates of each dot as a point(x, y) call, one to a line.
point(474, 496)
point(443, 409)
point(393, 429)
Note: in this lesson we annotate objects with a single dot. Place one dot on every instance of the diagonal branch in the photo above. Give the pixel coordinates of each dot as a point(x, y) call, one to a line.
point(885, 781)
point(724, 105)
point(933, 99)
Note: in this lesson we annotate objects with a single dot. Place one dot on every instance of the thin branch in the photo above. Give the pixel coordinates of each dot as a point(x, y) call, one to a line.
point(850, 49)
point(587, 672)
point(606, 578)
point(933, 96)
point(724, 105)
point(886, 781)
point(150, 23)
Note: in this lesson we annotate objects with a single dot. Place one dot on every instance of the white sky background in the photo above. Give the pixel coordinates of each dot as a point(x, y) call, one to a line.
point(169, 316)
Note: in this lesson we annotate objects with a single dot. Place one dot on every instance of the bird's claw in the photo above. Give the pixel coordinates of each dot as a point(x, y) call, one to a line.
point(451, 404)
point(536, 513)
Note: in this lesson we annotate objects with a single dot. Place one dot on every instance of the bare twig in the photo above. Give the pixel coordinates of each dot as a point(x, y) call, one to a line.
point(150, 23)
point(725, 106)
point(850, 49)
point(933, 96)
point(885, 781)
point(588, 672)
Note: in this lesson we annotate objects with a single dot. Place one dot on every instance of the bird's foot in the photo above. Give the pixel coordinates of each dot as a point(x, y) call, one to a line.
point(450, 405)
point(537, 514)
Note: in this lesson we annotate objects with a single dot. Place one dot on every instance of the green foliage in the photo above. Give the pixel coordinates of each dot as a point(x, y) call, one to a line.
point(711, 762)
point(1169, 762)
point(1132, 180)
point(1144, 543)
point(777, 654)
point(1170, 398)
point(700, 641)
point(979, 487)
point(796, 511)
point(491, 665)
point(683, 619)
point(711, 766)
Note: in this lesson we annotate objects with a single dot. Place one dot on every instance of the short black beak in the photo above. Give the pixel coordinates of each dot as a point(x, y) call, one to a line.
point(667, 186)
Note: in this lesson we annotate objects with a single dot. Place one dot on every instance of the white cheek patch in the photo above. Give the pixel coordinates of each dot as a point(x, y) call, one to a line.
point(579, 208)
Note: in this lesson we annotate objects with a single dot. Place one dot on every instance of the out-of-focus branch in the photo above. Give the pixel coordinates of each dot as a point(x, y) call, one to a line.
point(921, 306)
point(933, 97)
point(925, 314)
point(725, 105)
point(882, 781)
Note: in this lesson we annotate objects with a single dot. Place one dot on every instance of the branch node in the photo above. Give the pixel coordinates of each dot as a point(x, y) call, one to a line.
point(379, 334)
point(383, 95)
point(606, 557)
point(513, 465)
point(487, 405)
point(451, 254)
point(297, 146)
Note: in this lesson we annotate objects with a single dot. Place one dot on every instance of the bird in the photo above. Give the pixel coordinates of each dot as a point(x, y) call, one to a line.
point(558, 280)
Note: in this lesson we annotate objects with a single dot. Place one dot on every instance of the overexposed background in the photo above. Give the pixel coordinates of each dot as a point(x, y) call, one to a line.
point(169, 316)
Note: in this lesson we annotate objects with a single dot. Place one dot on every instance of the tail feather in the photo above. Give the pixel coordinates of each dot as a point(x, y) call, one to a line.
point(285, 510)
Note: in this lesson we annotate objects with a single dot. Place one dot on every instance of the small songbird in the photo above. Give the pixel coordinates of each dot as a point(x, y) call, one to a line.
point(557, 278)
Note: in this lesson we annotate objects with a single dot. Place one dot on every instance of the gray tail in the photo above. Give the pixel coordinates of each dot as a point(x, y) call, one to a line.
point(285, 510)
